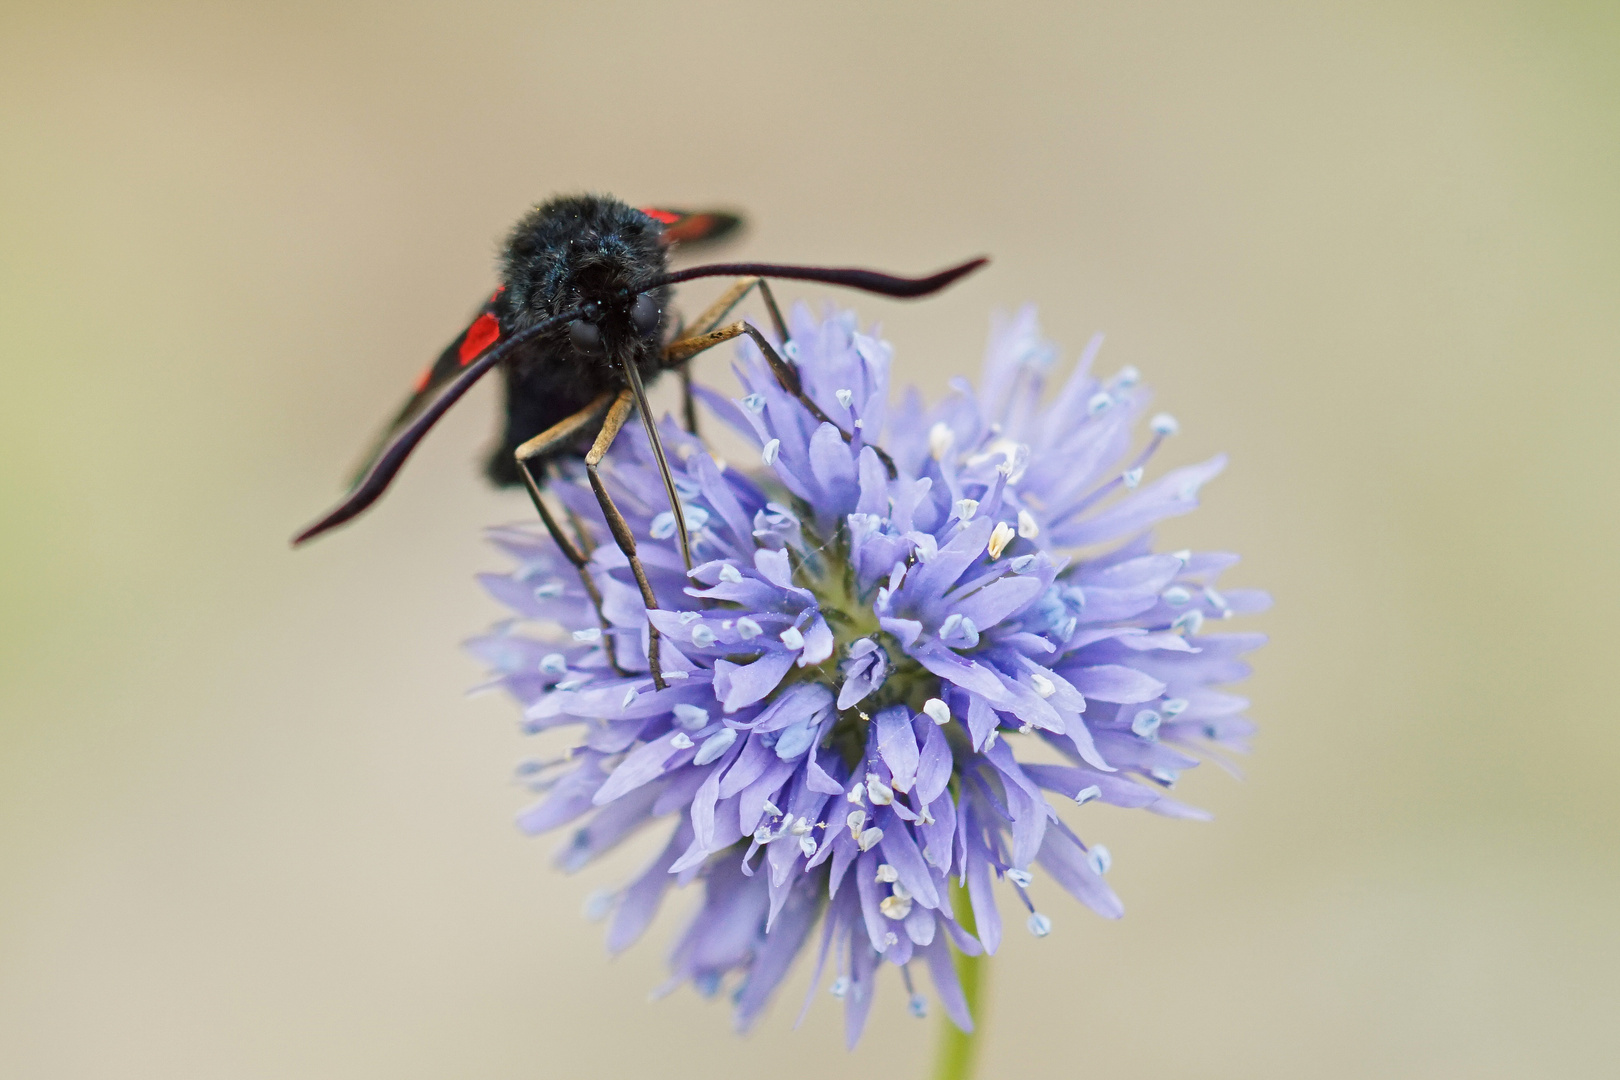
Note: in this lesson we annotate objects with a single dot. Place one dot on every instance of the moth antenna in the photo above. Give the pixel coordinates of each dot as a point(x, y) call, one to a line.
point(389, 462)
point(872, 281)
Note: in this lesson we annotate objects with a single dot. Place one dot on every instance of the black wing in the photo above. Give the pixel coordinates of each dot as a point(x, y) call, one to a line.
point(482, 333)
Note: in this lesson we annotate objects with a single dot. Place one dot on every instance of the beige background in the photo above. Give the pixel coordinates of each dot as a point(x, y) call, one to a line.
point(249, 825)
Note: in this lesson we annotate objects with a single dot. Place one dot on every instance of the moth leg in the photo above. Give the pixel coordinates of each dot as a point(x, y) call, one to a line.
point(708, 321)
point(561, 434)
point(688, 402)
point(616, 416)
point(787, 376)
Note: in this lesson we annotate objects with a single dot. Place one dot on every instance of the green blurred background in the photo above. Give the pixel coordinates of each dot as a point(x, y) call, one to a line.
point(251, 827)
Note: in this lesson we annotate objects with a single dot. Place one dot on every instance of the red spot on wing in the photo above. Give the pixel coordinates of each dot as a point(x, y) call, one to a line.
point(483, 333)
point(694, 227)
point(663, 217)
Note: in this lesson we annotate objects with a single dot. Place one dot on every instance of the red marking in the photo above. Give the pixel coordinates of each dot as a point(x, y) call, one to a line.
point(695, 227)
point(496, 294)
point(422, 380)
point(663, 217)
point(483, 333)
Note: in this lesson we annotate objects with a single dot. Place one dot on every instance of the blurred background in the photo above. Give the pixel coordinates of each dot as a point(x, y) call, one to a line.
point(250, 826)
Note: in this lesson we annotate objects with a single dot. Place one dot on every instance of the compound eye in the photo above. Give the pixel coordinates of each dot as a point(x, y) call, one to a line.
point(585, 336)
point(645, 313)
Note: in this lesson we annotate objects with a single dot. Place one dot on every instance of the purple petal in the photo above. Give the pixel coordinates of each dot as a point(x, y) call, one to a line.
point(1112, 682)
point(743, 684)
point(897, 745)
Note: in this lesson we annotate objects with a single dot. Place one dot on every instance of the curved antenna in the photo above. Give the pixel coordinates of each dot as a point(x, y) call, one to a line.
point(388, 463)
point(872, 281)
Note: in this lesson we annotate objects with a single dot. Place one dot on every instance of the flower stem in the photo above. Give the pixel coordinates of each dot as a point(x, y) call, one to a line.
point(958, 1054)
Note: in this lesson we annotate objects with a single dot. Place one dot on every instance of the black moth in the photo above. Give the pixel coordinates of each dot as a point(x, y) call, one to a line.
point(578, 326)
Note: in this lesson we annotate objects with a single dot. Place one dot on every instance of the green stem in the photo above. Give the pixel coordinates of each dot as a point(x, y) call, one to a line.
point(958, 1055)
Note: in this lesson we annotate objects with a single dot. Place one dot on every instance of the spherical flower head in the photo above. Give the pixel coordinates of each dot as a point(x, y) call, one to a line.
point(889, 615)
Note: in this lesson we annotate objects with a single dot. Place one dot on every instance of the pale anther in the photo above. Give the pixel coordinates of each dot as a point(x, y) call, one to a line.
point(937, 711)
point(1021, 878)
point(1000, 538)
point(1086, 794)
point(792, 638)
point(1026, 525)
point(681, 741)
point(768, 454)
point(846, 398)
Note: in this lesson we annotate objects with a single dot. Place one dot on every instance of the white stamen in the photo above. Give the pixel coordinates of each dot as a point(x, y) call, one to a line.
point(702, 636)
point(1099, 401)
point(1146, 724)
point(629, 698)
point(880, 793)
point(887, 874)
point(1000, 538)
point(1175, 596)
point(691, 717)
point(748, 629)
point(919, 1006)
point(762, 835)
point(890, 939)
point(856, 822)
point(792, 638)
point(966, 508)
point(1216, 599)
point(1020, 878)
point(1039, 924)
point(591, 635)
point(857, 794)
point(937, 711)
point(599, 905)
point(839, 987)
point(990, 740)
point(846, 398)
point(801, 827)
point(1189, 622)
point(1167, 777)
point(570, 684)
point(772, 809)
point(1175, 706)
point(554, 664)
point(1164, 424)
point(730, 574)
point(681, 741)
point(808, 846)
point(790, 349)
point(1132, 477)
point(715, 745)
point(940, 437)
point(1128, 376)
point(894, 907)
point(1185, 555)
point(1026, 525)
point(772, 448)
point(687, 618)
point(548, 590)
point(869, 839)
point(1086, 794)
point(754, 403)
point(1099, 859)
point(901, 891)
point(1043, 686)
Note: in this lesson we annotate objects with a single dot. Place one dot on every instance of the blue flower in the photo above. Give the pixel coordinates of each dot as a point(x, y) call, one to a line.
point(861, 658)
